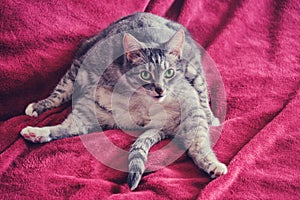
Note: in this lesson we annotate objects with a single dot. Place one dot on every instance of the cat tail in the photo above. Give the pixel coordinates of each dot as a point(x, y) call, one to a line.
point(138, 155)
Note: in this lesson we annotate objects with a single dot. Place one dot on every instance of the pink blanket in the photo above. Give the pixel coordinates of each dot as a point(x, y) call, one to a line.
point(255, 45)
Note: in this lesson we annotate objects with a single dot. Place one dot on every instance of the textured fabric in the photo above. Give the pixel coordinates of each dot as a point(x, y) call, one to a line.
point(255, 45)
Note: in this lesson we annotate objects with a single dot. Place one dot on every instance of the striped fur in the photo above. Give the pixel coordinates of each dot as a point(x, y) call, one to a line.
point(164, 80)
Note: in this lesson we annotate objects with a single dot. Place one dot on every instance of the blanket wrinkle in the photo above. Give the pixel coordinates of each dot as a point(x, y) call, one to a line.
point(253, 123)
point(278, 8)
point(14, 126)
point(226, 17)
point(174, 11)
point(9, 155)
point(257, 125)
point(158, 7)
point(255, 47)
point(275, 142)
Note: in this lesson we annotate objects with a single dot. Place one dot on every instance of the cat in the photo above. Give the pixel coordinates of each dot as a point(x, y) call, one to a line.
point(154, 83)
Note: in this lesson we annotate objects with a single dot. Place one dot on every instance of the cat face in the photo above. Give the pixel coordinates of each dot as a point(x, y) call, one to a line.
point(152, 71)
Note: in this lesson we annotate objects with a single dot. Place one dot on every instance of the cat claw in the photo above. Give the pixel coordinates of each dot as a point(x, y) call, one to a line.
point(30, 111)
point(36, 135)
point(133, 180)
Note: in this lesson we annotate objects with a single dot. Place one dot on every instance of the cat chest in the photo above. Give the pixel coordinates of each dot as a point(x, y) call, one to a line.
point(139, 111)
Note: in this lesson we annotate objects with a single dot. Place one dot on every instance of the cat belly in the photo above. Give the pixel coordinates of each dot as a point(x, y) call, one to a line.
point(137, 112)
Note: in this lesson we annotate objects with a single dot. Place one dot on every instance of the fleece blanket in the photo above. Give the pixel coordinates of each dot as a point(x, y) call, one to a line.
point(255, 47)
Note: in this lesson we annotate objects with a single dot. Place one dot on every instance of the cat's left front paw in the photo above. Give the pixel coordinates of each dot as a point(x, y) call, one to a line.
point(217, 169)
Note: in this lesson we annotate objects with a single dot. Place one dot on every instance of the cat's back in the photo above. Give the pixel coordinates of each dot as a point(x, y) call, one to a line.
point(146, 27)
point(143, 25)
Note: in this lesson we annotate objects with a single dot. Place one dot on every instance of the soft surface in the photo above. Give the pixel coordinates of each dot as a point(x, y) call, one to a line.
point(255, 45)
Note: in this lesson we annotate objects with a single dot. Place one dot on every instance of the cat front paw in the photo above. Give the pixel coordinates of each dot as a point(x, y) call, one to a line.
point(30, 111)
point(217, 169)
point(36, 135)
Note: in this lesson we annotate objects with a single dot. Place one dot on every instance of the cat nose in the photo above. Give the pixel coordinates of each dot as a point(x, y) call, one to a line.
point(159, 90)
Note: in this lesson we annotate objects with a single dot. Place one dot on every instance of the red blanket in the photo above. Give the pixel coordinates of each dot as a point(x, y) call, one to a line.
point(255, 45)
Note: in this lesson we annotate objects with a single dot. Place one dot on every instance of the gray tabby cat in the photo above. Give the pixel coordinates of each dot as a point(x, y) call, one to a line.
point(160, 70)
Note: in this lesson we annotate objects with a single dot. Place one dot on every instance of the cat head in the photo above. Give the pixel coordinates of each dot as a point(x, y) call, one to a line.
point(153, 69)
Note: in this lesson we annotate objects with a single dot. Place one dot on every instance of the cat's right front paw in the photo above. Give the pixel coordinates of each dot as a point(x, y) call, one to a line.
point(36, 135)
point(30, 111)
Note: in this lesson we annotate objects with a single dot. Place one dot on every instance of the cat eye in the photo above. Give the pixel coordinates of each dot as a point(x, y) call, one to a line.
point(169, 73)
point(146, 75)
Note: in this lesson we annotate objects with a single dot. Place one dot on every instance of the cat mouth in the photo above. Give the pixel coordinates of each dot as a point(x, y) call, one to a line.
point(159, 97)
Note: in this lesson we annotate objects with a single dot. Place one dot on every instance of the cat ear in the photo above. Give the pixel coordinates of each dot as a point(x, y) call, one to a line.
point(132, 48)
point(175, 45)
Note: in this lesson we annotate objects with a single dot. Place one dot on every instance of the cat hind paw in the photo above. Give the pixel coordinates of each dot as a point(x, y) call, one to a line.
point(36, 135)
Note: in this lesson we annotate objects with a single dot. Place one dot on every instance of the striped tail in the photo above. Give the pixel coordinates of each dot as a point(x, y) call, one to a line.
point(138, 155)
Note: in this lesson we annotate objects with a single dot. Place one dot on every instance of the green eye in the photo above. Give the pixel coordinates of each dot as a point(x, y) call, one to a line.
point(169, 73)
point(146, 75)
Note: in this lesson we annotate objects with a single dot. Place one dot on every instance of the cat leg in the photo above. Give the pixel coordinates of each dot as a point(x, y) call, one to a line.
point(195, 75)
point(72, 126)
point(201, 87)
point(62, 93)
point(138, 155)
point(204, 157)
point(194, 133)
point(211, 119)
